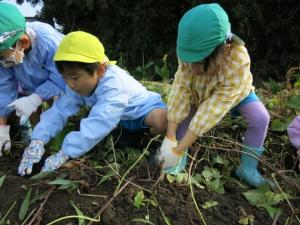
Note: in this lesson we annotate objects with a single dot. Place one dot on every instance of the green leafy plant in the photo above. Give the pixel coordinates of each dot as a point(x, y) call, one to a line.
point(79, 213)
point(25, 205)
point(143, 72)
point(140, 200)
point(163, 71)
point(65, 184)
point(211, 177)
point(2, 178)
point(264, 198)
point(273, 86)
point(209, 204)
point(246, 220)
point(56, 143)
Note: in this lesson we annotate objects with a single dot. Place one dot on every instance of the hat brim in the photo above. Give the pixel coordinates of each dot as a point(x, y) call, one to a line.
point(188, 56)
point(11, 41)
point(74, 58)
point(71, 57)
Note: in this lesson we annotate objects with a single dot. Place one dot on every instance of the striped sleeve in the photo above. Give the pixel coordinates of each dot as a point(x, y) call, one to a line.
point(236, 76)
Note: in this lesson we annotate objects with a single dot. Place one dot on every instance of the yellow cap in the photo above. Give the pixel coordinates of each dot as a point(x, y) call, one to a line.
point(83, 47)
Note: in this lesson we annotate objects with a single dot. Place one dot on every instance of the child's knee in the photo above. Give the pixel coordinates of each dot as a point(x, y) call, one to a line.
point(157, 120)
point(261, 119)
point(264, 118)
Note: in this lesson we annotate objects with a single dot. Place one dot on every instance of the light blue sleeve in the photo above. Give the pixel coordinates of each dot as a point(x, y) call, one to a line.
point(55, 84)
point(48, 41)
point(54, 119)
point(103, 118)
point(8, 90)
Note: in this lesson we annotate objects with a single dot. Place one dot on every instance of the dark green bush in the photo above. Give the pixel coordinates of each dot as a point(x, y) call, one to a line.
point(143, 31)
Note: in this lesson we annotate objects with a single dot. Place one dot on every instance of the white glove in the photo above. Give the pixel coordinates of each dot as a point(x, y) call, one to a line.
point(25, 106)
point(167, 156)
point(32, 154)
point(5, 143)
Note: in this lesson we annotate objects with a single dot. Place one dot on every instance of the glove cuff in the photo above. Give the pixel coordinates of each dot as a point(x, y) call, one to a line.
point(38, 142)
point(4, 130)
point(36, 99)
point(63, 154)
point(169, 142)
point(177, 153)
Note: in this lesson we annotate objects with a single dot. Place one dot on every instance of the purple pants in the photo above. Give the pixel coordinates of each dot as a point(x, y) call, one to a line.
point(255, 114)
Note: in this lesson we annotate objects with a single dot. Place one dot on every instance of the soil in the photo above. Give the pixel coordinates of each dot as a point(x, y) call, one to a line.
point(174, 201)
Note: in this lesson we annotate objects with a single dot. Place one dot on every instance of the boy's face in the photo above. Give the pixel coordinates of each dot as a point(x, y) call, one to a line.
point(82, 82)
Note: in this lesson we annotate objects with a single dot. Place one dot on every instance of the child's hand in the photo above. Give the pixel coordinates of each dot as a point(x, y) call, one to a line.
point(166, 155)
point(55, 161)
point(32, 154)
point(25, 106)
point(5, 144)
point(172, 162)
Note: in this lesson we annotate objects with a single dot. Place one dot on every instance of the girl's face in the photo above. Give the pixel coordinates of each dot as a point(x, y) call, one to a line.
point(197, 67)
point(82, 82)
point(12, 56)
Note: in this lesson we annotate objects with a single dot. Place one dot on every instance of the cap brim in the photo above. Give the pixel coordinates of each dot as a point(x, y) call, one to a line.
point(188, 56)
point(74, 58)
point(11, 41)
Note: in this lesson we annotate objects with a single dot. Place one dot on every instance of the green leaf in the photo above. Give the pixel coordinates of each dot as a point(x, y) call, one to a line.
point(220, 160)
point(209, 204)
point(107, 176)
point(245, 220)
point(2, 178)
point(273, 211)
point(171, 178)
point(294, 102)
point(263, 198)
point(181, 177)
point(196, 180)
point(207, 175)
point(40, 175)
point(138, 199)
point(79, 213)
point(216, 185)
point(278, 125)
point(25, 205)
point(57, 141)
point(64, 183)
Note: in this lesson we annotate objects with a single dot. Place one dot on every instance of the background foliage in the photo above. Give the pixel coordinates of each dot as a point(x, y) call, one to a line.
point(139, 32)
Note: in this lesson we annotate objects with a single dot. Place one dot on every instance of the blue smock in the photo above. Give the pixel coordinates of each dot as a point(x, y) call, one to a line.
point(37, 74)
point(118, 96)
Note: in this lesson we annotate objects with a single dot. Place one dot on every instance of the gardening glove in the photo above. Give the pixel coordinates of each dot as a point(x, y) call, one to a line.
point(5, 143)
point(32, 154)
point(25, 106)
point(172, 162)
point(55, 161)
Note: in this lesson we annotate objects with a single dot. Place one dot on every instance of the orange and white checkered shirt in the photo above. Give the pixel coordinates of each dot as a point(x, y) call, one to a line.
point(226, 83)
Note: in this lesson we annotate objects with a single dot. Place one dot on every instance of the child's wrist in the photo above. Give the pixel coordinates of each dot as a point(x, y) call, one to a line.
point(177, 151)
point(298, 152)
point(171, 137)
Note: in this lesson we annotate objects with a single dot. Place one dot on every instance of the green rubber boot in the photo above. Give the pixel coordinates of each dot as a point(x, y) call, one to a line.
point(247, 171)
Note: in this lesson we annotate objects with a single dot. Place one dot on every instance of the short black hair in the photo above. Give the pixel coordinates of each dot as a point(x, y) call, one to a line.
point(63, 66)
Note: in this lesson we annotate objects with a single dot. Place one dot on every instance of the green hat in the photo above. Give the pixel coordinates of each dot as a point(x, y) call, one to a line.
point(12, 25)
point(200, 31)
